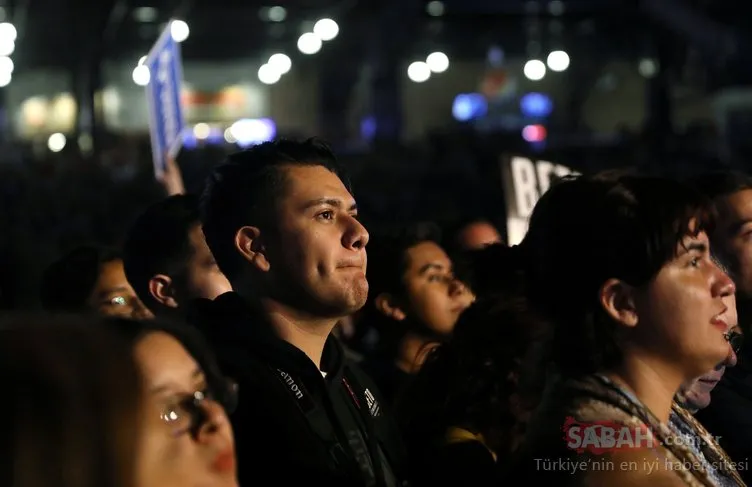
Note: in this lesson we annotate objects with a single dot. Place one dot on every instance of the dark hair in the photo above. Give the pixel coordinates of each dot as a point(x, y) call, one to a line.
point(158, 243)
point(586, 230)
point(470, 381)
point(245, 189)
point(132, 331)
point(719, 184)
point(68, 283)
point(494, 269)
point(73, 402)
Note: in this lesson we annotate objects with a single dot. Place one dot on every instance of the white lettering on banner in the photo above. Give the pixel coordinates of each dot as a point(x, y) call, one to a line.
point(524, 186)
point(524, 182)
point(167, 97)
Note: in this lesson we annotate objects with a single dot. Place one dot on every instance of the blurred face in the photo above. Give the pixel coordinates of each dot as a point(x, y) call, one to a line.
point(114, 296)
point(317, 253)
point(203, 277)
point(478, 235)
point(734, 234)
point(697, 392)
point(176, 450)
point(684, 310)
point(435, 298)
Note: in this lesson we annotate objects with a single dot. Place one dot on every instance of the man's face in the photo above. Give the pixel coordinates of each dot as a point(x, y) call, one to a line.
point(203, 279)
point(317, 252)
point(697, 392)
point(734, 238)
point(435, 298)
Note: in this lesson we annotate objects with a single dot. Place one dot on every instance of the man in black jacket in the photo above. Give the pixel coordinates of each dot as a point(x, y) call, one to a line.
point(282, 224)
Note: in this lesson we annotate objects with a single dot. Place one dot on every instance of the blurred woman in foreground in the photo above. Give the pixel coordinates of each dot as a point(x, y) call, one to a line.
point(188, 439)
point(72, 407)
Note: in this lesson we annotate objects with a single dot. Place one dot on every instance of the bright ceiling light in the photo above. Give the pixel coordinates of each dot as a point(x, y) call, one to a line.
point(326, 29)
point(558, 61)
point(141, 75)
point(179, 30)
point(8, 32)
point(534, 70)
point(268, 74)
point(6, 64)
point(418, 72)
point(56, 142)
point(438, 62)
point(309, 43)
point(281, 62)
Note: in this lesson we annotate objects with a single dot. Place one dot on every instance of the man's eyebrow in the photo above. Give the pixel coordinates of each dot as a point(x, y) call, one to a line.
point(337, 203)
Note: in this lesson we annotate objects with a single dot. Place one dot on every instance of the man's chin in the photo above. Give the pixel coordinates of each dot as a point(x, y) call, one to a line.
point(695, 402)
point(344, 306)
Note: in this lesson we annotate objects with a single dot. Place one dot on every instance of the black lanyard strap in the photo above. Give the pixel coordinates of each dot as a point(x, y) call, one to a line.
point(323, 428)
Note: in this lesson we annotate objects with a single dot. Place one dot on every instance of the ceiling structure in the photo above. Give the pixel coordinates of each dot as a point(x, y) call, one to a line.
point(54, 32)
point(75, 34)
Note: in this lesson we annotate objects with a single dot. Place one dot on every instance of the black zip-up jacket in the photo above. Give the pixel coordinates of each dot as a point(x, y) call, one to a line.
point(292, 424)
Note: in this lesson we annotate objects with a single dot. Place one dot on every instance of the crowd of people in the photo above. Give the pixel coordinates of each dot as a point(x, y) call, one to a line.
point(258, 334)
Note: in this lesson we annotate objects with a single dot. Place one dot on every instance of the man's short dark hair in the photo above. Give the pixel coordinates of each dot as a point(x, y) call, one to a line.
point(159, 243)
point(68, 282)
point(720, 184)
point(244, 190)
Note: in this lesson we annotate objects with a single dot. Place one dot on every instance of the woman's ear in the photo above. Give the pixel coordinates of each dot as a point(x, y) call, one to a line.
point(618, 300)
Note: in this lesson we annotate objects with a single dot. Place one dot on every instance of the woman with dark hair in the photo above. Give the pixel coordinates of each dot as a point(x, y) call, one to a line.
point(72, 404)
point(621, 268)
point(91, 279)
point(188, 440)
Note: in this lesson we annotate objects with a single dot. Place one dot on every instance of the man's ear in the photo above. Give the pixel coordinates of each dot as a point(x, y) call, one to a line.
point(388, 306)
point(248, 243)
point(618, 300)
point(162, 290)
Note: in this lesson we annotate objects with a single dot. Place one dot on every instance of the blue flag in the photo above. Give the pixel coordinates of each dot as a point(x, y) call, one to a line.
point(166, 122)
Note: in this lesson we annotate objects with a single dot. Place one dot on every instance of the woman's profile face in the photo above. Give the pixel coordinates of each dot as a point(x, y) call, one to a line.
point(683, 310)
point(188, 440)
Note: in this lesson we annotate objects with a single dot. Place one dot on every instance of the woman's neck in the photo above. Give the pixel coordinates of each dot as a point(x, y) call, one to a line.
point(653, 382)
